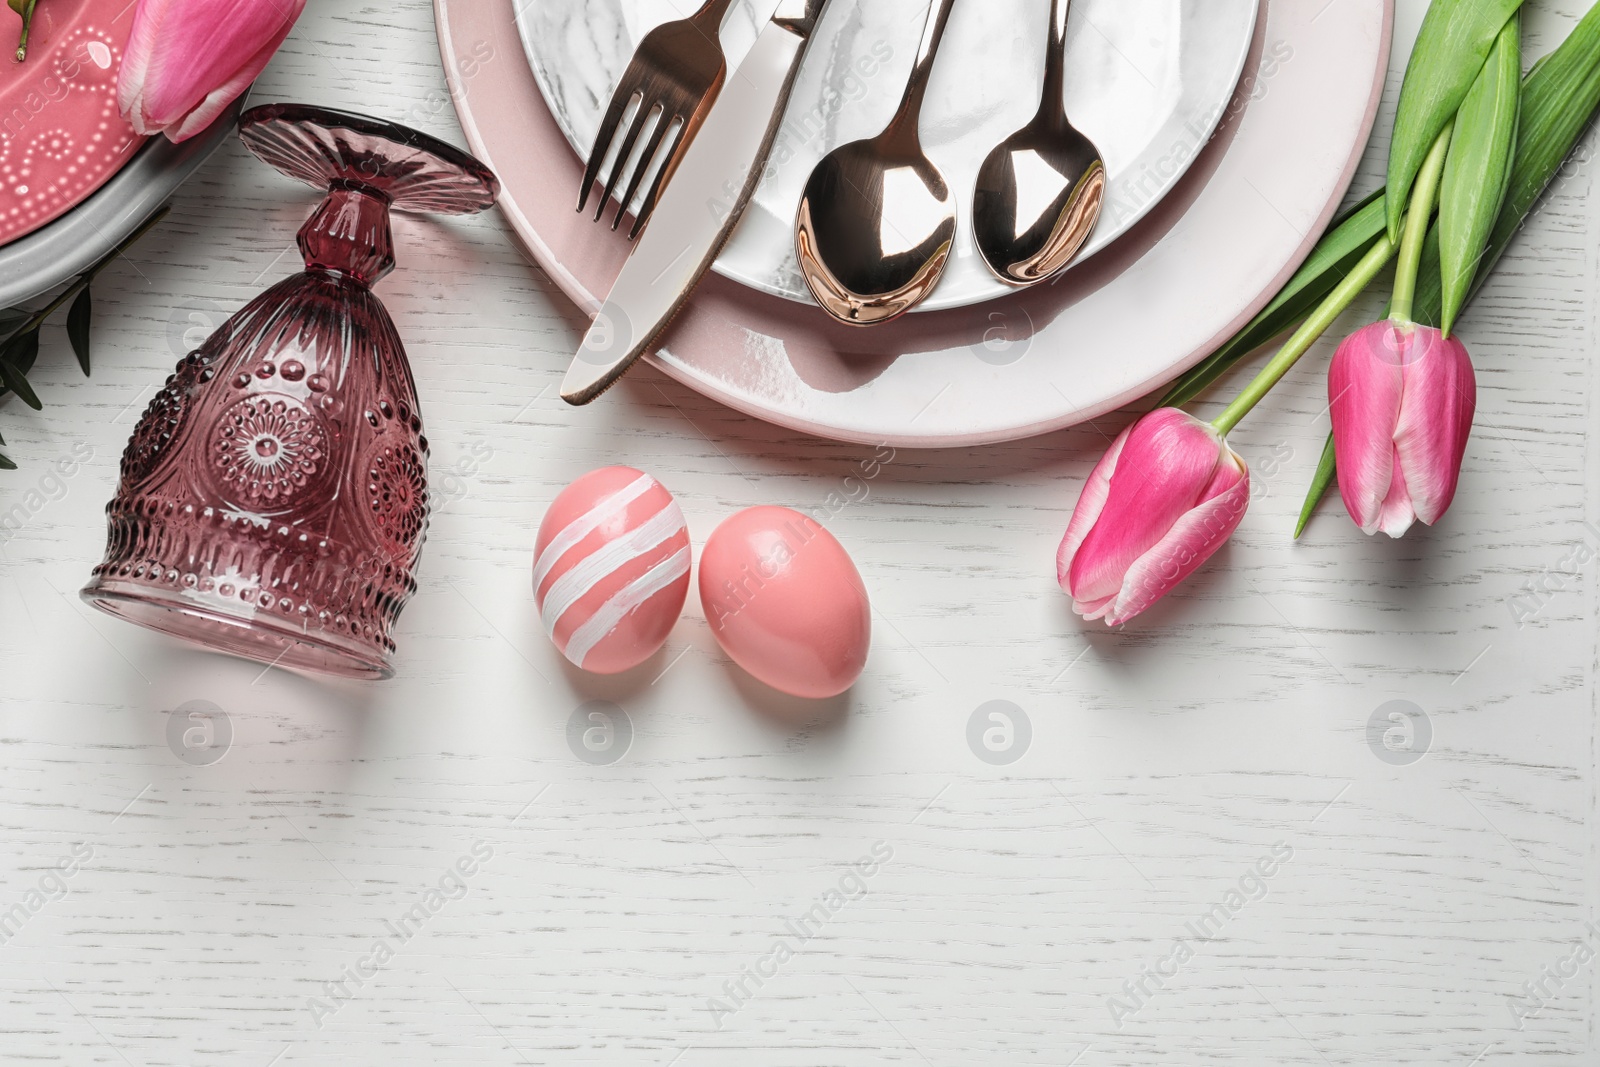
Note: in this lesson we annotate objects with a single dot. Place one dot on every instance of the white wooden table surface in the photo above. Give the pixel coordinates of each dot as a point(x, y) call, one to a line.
point(1099, 899)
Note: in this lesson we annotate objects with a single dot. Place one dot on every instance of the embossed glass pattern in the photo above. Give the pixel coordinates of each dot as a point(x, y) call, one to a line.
point(274, 497)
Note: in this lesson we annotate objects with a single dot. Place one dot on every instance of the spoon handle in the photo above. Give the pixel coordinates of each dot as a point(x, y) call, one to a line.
point(911, 104)
point(711, 14)
point(1058, 22)
point(1055, 59)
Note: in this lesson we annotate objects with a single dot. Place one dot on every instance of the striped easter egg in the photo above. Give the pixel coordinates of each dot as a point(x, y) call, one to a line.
point(611, 569)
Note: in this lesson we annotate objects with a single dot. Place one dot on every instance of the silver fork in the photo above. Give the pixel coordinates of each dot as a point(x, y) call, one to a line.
point(675, 74)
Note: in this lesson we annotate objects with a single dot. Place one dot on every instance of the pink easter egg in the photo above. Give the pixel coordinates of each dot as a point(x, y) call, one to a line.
point(785, 601)
point(611, 569)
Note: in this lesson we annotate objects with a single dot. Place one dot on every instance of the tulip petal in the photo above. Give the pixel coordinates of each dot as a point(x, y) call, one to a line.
point(147, 19)
point(1165, 465)
point(1090, 503)
point(1230, 468)
point(1441, 397)
point(1397, 513)
point(217, 101)
point(1193, 539)
point(1365, 388)
point(188, 59)
point(1094, 609)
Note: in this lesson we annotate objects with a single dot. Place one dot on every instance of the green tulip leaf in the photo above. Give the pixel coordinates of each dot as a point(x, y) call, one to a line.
point(1320, 482)
point(1559, 98)
point(1429, 307)
point(1477, 175)
point(1452, 47)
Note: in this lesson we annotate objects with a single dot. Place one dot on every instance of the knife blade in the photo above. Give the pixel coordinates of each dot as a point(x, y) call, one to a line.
point(696, 215)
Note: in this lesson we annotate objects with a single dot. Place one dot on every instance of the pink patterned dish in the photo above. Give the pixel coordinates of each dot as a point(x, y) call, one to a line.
point(60, 135)
point(1186, 277)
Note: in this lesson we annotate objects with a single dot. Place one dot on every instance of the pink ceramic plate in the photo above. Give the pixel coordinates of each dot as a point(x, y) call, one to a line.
point(1194, 270)
point(60, 135)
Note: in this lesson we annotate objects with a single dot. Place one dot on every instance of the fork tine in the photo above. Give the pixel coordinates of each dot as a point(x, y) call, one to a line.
point(656, 137)
point(668, 162)
point(646, 109)
point(608, 130)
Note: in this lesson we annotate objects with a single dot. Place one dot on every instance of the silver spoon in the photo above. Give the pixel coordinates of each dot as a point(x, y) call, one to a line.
point(1040, 192)
point(876, 225)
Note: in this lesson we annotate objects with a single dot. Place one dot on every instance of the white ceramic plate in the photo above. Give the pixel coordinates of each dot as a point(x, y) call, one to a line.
point(1147, 81)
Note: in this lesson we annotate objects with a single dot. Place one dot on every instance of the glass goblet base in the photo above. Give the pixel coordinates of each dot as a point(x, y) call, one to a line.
point(263, 638)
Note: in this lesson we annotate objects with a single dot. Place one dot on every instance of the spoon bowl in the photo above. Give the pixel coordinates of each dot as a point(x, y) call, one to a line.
point(875, 230)
point(876, 224)
point(1040, 192)
point(1039, 196)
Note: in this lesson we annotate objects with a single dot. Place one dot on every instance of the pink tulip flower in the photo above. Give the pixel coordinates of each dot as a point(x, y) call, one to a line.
point(1402, 398)
point(187, 60)
point(1166, 497)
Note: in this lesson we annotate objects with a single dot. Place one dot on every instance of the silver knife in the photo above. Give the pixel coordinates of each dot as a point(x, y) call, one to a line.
point(696, 215)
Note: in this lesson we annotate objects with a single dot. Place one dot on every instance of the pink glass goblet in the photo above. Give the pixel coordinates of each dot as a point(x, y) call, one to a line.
point(274, 497)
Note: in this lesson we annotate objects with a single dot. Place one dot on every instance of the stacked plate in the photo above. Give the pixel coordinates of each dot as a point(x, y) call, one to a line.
point(1230, 133)
point(75, 179)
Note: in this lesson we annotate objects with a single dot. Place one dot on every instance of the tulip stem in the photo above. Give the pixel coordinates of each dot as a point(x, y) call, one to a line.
point(1315, 326)
point(1423, 196)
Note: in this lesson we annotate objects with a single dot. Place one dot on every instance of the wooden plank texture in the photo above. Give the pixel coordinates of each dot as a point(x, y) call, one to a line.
point(1103, 899)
